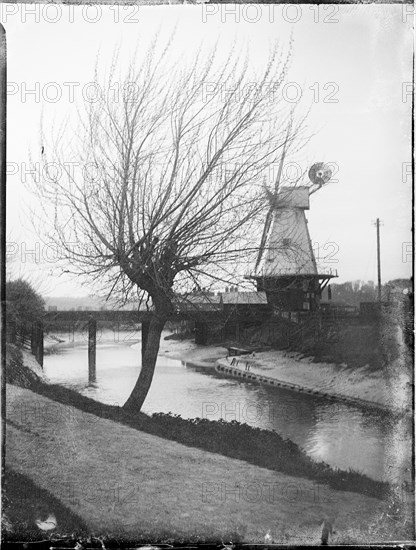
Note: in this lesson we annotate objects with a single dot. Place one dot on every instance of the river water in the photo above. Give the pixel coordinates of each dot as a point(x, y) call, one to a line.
point(341, 435)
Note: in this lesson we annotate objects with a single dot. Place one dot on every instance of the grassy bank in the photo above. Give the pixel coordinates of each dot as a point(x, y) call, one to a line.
point(130, 485)
point(353, 344)
point(16, 372)
point(256, 446)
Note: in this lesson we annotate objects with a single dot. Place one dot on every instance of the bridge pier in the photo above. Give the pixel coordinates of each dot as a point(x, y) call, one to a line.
point(92, 348)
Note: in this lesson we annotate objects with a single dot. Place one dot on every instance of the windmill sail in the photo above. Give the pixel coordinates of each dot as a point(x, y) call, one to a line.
point(264, 236)
point(272, 200)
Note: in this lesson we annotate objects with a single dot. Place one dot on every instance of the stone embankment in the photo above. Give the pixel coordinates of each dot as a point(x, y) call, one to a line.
point(247, 369)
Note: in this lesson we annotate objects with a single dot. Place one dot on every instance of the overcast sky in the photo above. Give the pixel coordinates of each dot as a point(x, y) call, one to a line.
point(351, 62)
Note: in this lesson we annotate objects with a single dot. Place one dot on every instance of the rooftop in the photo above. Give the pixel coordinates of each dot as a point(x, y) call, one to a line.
point(244, 298)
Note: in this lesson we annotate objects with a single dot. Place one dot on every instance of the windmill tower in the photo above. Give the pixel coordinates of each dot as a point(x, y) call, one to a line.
point(286, 267)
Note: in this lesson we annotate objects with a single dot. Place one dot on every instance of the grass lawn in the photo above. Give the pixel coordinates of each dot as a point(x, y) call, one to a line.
point(127, 484)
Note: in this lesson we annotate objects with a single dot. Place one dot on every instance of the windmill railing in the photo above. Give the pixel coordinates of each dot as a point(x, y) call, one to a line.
point(330, 272)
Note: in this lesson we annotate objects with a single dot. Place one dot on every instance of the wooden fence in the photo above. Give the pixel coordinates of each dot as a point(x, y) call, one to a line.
point(28, 336)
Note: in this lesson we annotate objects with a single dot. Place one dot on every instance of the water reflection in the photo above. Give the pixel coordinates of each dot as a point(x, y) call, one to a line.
point(336, 433)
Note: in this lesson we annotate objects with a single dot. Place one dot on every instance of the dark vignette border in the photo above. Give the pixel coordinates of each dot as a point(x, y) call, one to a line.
point(92, 543)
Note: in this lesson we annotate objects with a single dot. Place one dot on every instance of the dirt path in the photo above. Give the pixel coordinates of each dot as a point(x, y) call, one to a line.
point(123, 482)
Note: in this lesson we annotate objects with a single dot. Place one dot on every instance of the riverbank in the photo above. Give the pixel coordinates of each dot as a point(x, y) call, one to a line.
point(261, 447)
point(358, 387)
point(290, 369)
point(22, 368)
point(157, 489)
point(251, 447)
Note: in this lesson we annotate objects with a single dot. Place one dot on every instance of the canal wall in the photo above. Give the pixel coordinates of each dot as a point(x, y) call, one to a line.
point(238, 367)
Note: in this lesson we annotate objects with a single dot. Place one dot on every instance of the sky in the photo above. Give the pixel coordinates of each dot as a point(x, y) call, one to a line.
point(351, 64)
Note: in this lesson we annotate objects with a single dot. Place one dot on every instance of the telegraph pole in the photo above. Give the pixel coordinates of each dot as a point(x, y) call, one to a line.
point(377, 224)
point(3, 97)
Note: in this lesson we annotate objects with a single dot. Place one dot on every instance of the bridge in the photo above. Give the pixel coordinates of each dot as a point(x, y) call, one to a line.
point(52, 318)
point(71, 321)
point(56, 318)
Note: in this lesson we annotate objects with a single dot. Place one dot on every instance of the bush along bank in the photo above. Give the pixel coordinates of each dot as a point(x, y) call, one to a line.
point(256, 446)
point(263, 448)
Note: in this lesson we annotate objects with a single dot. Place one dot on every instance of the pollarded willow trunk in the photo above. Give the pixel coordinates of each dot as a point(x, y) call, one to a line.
point(135, 402)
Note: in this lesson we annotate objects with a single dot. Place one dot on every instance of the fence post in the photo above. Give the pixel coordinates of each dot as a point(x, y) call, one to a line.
point(39, 343)
point(92, 347)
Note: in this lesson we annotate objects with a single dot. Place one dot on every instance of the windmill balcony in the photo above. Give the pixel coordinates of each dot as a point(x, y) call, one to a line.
point(283, 272)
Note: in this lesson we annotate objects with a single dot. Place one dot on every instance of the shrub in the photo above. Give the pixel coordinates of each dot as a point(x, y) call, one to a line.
point(23, 304)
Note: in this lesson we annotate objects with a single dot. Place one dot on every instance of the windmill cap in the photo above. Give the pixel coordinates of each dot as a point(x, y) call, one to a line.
point(293, 197)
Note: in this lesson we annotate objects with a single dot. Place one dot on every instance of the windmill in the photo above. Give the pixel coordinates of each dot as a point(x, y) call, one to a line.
point(286, 267)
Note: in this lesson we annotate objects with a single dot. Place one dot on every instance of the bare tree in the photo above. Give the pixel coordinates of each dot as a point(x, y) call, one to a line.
point(170, 191)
